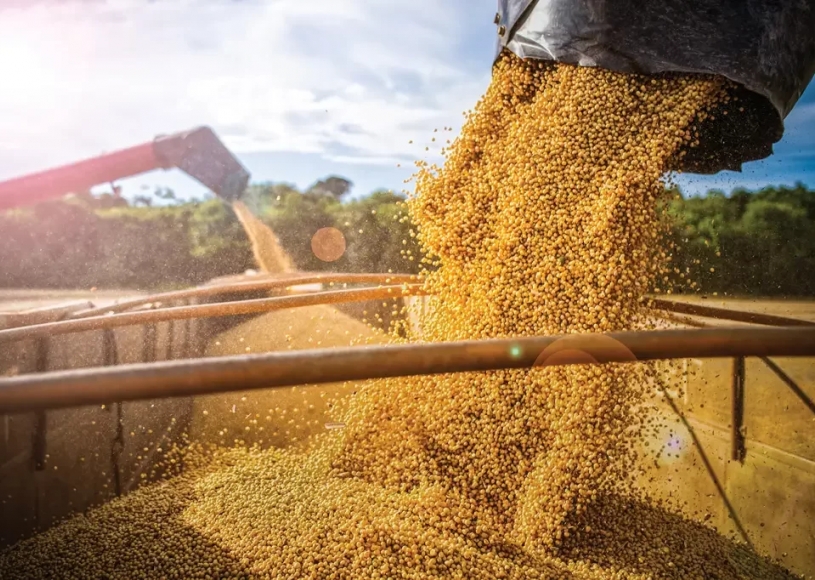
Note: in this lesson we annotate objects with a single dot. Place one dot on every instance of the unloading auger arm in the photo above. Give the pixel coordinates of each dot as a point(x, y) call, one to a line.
point(198, 152)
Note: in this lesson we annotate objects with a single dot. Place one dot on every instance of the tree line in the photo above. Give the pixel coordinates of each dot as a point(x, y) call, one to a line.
point(748, 242)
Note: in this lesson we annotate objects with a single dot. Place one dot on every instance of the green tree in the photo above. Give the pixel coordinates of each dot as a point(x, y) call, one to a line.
point(749, 242)
point(760, 243)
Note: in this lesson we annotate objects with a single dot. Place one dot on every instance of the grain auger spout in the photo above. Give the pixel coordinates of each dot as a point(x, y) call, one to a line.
point(767, 47)
point(197, 152)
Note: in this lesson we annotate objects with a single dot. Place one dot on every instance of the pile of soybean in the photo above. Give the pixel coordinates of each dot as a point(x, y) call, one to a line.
point(543, 220)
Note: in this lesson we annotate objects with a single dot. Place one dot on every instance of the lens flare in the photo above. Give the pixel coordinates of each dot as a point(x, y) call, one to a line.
point(591, 349)
point(328, 244)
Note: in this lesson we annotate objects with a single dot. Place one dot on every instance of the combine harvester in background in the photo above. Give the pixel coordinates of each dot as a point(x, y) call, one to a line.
point(199, 153)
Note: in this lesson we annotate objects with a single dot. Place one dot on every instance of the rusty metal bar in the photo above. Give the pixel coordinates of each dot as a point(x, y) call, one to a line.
point(117, 449)
point(251, 286)
point(737, 445)
point(329, 297)
point(267, 284)
point(727, 314)
point(285, 369)
point(207, 311)
point(169, 353)
point(340, 278)
point(39, 442)
point(185, 343)
point(149, 334)
point(42, 315)
point(109, 348)
point(794, 387)
point(111, 359)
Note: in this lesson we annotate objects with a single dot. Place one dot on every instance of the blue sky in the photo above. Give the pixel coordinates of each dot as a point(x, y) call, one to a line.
point(793, 159)
point(299, 89)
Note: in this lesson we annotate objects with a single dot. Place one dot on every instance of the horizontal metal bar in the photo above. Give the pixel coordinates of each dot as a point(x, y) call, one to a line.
point(207, 311)
point(269, 283)
point(108, 318)
point(727, 314)
point(41, 315)
point(284, 369)
point(265, 283)
point(298, 279)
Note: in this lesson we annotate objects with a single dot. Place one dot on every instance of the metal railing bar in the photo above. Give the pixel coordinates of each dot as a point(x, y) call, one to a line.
point(318, 366)
point(250, 286)
point(787, 380)
point(207, 311)
point(726, 313)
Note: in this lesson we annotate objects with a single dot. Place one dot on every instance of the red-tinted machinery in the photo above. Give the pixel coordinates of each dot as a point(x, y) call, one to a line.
point(198, 152)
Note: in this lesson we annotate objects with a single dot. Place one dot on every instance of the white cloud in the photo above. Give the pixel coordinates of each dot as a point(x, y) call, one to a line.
point(348, 79)
point(360, 160)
